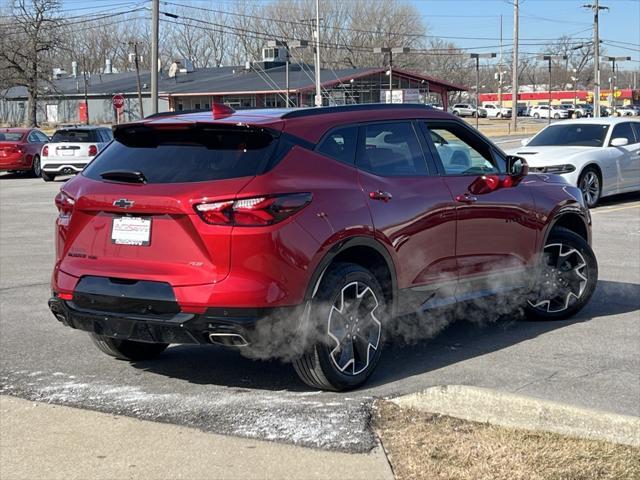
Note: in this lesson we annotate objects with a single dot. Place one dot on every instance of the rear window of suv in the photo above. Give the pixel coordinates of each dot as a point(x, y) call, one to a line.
point(75, 135)
point(185, 154)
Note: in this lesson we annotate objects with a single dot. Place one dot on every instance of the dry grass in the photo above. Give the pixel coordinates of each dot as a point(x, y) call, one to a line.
point(426, 446)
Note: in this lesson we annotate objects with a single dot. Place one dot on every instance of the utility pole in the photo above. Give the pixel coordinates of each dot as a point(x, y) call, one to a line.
point(595, 7)
point(514, 68)
point(318, 99)
point(137, 64)
point(477, 57)
point(86, 99)
point(155, 26)
point(549, 58)
point(500, 68)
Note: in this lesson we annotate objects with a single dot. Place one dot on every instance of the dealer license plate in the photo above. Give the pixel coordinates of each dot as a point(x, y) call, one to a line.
point(131, 231)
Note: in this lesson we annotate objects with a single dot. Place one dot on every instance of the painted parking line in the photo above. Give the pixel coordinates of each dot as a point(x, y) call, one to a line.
point(617, 209)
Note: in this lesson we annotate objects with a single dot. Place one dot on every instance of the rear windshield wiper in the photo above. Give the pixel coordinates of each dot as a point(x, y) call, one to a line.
point(129, 176)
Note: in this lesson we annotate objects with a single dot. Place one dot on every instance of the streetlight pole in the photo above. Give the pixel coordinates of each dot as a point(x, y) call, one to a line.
point(514, 68)
point(549, 58)
point(288, 46)
point(155, 27)
point(477, 57)
point(391, 51)
point(318, 99)
point(612, 80)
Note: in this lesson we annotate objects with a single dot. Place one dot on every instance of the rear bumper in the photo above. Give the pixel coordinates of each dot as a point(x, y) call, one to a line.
point(63, 165)
point(14, 163)
point(227, 324)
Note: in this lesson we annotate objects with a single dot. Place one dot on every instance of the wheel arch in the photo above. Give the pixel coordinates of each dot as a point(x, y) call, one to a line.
point(366, 252)
point(570, 218)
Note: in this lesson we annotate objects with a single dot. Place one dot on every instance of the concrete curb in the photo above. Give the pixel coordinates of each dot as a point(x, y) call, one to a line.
point(516, 411)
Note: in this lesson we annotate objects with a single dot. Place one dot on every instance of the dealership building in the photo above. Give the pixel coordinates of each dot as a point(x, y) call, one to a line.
point(258, 85)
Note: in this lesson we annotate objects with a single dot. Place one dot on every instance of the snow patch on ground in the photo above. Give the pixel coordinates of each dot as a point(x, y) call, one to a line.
point(284, 416)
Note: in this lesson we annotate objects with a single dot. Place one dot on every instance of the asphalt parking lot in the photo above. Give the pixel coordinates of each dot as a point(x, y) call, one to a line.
point(591, 360)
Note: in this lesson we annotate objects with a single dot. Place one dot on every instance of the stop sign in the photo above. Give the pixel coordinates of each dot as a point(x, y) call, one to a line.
point(118, 101)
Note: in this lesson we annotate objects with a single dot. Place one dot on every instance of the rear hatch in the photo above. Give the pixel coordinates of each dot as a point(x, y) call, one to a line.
point(74, 144)
point(133, 210)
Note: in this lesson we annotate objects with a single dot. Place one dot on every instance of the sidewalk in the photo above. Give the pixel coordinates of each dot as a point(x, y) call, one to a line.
point(43, 441)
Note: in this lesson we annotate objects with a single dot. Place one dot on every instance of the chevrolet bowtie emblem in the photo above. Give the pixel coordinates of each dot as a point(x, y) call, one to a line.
point(123, 203)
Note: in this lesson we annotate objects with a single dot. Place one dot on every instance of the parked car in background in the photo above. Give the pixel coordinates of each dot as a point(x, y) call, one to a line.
point(583, 110)
point(626, 111)
point(304, 233)
point(569, 108)
point(70, 149)
point(20, 149)
point(544, 111)
point(464, 110)
point(495, 111)
point(600, 156)
point(522, 109)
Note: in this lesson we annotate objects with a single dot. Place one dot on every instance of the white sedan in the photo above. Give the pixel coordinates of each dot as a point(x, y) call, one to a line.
point(599, 155)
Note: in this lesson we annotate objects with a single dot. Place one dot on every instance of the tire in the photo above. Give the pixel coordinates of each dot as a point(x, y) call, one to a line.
point(590, 184)
point(578, 115)
point(127, 349)
point(536, 115)
point(499, 115)
point(557, 116)
point(342, 358)
point(564, 289)
point(36, 171)
point(456, 113)
point(48, 177)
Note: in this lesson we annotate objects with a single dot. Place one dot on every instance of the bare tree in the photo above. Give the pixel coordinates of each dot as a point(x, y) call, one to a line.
point(34, 26)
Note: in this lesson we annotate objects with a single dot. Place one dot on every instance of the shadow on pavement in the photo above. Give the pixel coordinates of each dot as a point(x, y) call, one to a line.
point(459, 341)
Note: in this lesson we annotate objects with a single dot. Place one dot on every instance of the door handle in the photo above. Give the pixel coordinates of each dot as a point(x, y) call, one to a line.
point(466, 198)
point(380, 195)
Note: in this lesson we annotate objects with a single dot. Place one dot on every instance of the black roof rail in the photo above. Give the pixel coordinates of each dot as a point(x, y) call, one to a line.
point(175, 114)
point(307, 112)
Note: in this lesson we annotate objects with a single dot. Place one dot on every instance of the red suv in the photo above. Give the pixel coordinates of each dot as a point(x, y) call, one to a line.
point(302, 234)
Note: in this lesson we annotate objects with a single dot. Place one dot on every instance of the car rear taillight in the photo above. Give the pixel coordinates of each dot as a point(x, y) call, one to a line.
point(45, 151)
point(65, 204)
point(254, 211)
point(93, 150)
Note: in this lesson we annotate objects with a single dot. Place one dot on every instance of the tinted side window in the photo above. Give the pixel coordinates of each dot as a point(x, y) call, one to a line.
point(636, 128)
point(32, 138)
point(463, 153)
point(42, 137)
point(340, 144)
point(624, 130)
point(391, 149)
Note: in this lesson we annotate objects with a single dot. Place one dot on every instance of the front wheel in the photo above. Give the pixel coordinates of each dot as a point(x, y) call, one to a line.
point(536, 115)
point(127, 349)
point(557, 116)
point(589, 185)
point(566, 279)
point(347, 318)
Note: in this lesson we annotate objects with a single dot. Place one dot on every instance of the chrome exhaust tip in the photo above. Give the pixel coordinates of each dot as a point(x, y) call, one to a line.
point(228, 339)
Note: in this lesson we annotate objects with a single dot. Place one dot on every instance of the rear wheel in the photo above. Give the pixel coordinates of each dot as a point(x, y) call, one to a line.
point(36, 171)
point(456, 113)
point(48, 177)
point(556, 116)
point(127, 349)
point(589, 185)
point(567, 277)
point(536, 115)
point(347, 317)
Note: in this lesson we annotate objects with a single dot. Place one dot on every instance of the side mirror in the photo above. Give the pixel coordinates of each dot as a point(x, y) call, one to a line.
point(524, 141)
point(517, 166)
point(619, 142)
point(484, 184)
